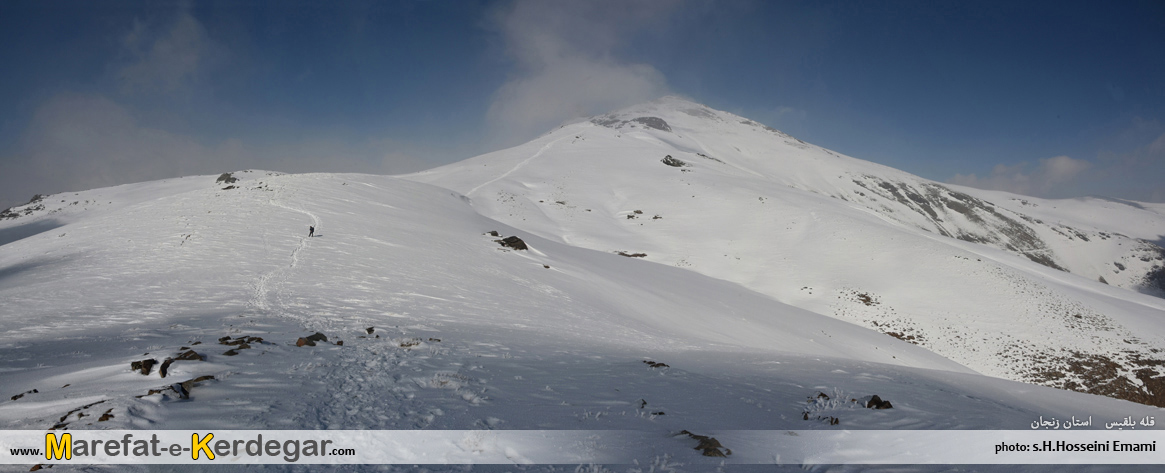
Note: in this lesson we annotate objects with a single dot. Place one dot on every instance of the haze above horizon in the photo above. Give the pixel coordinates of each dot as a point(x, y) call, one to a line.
point(1056, 100)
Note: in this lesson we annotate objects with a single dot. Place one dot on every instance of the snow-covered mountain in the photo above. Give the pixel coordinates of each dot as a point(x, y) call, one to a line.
point(1055, 292)
point(757, 272)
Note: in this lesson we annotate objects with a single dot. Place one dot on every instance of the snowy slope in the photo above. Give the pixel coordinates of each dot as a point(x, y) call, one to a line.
point(465, 333)
point(1005, 285)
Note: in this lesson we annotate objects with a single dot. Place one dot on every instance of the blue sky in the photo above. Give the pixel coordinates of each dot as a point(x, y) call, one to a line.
point(1052, 99)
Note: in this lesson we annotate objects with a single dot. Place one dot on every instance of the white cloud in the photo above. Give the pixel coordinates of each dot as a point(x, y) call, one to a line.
point(566, 64)
point(1049, 175)
point(167, 60)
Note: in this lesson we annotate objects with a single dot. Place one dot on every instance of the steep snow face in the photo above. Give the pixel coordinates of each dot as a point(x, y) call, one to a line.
point(1008, 286)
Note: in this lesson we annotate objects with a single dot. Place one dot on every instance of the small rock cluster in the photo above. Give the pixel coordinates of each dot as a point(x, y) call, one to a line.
point(239, 343)
point(18, 396)
point(512, 242)
point(311, 340)
point(873, 402)
point(709, 446)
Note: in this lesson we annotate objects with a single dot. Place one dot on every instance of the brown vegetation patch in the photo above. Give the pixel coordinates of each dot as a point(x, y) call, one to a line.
point(1104, 375)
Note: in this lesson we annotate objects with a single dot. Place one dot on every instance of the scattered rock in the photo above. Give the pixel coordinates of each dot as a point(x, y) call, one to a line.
point(412, 342)
point(227, 178)
point(673, 162)
point(311, 340)
point(653, 122)
point(658, 413)
point(144, 366)
point(431, 339)
point(493, 233)
point(339, 343)
point(18, 396)
point(642, 403)
point(183, 388)
point(231, 352)
point(654, 364)
point(370, 330)
point(708, 445)
point(29, 208)
point(546, 266)
point(190, 355)
point(106, 416)
point(61, 422)
point(241, 342)
point(631, 255)
point(866, 299)
point(36, 467)
point(513, 242)
point(165, 367)
point(876, 402)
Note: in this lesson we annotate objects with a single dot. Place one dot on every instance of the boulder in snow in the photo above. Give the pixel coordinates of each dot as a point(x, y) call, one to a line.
point(513, 242)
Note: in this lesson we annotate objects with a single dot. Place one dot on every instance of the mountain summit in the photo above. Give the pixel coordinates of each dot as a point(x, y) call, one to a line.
point(1055, 292)
point(679, 268)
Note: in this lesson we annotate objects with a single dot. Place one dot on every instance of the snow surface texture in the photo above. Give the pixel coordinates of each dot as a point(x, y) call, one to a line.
point(442, 328)
point(1005, 285)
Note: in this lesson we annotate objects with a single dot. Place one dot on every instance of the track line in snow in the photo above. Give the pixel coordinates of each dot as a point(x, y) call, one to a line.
point(263, 291)
point(517, 167)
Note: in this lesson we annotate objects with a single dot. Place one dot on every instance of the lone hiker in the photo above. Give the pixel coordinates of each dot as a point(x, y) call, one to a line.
point(311, 231)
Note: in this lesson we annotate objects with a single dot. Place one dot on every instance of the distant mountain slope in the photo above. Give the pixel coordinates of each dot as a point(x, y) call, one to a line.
point(1009, 286)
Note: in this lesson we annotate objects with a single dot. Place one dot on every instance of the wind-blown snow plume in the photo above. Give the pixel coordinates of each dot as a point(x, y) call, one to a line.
point(566, 53)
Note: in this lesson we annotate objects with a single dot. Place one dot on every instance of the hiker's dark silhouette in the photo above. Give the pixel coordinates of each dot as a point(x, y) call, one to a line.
point(311, 231)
